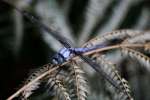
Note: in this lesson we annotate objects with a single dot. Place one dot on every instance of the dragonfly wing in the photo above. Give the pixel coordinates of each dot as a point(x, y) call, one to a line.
point(64, 41)
point(113, 78)
point(98, 69)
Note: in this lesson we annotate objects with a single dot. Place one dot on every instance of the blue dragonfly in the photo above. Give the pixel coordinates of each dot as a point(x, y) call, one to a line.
point(68, 51)
point(65, 54)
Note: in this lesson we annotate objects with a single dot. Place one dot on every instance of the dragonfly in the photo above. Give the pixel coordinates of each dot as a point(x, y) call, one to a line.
point(65, 53)
point(68, 51)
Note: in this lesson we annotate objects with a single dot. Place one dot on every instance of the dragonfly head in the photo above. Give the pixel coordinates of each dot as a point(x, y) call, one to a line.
point(63, 55)
point(58, 59)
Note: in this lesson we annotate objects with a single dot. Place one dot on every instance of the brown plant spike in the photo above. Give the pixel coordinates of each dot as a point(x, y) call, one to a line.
point(29, 90)
point(59, 88)
point(112, 72)
point(143, 59)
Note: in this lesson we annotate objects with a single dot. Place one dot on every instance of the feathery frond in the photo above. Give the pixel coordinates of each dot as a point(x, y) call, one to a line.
point(109, 68)
point(141, 38)
point(77, 82)
point(58, 87)
point(143, 59)
point(119, 34)
point(29, 90)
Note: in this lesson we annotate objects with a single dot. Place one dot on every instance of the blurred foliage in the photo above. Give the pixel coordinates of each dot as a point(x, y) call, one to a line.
point(23, 46)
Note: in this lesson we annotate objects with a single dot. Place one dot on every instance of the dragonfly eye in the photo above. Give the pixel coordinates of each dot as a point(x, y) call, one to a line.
point(58, 59)
point(54, 61)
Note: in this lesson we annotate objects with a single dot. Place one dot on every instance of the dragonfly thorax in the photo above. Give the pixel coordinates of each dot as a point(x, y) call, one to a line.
point(63, 55)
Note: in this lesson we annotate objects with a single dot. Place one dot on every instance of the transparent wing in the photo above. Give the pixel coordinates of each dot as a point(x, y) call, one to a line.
point(64, 41)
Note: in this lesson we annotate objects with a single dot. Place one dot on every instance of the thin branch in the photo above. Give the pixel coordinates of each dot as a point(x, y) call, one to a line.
point(30, 83)
point(74, 58)
point(115, 47)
